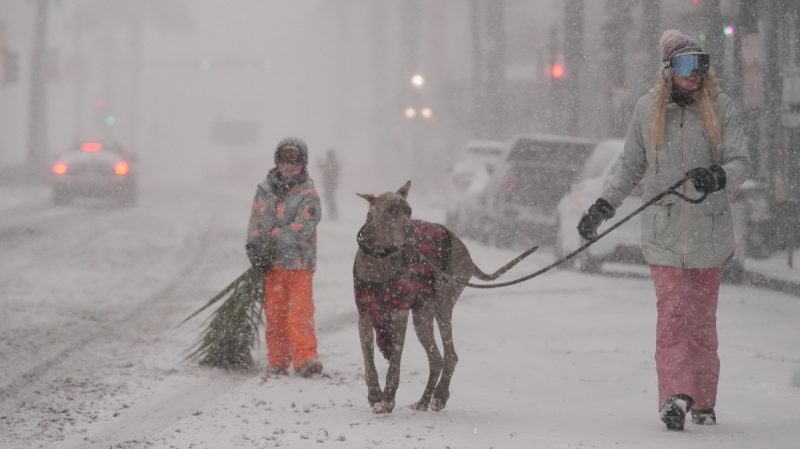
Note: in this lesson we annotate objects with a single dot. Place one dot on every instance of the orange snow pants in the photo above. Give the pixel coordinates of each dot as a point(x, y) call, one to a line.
point(289, 308)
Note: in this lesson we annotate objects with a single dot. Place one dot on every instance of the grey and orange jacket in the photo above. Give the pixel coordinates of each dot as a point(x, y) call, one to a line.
point(289, 215)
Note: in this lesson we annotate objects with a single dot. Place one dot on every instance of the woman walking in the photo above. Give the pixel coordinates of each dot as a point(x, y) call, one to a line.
point(684, 126)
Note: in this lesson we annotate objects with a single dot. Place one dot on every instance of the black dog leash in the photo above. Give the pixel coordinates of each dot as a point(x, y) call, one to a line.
point(669, 191)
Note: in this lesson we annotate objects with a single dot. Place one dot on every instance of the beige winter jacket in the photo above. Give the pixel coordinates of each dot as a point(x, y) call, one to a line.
point(674, 232)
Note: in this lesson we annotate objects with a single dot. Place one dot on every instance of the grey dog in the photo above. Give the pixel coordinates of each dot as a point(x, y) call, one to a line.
point(406, 265)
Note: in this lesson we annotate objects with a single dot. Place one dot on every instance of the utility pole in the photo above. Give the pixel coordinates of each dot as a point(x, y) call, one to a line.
point(712, 24)
point(772, 84)
point(386, 108)
point(136, 35)
point(648, 41)
point(555, 116)
point(488, 67)
point(478, 79)
point(617, 20)
point(37, 110)
point(573, 59)
point(410, 25)
point(496, 68)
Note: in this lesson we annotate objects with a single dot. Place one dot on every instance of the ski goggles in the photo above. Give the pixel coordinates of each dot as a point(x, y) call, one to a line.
point(684, 65)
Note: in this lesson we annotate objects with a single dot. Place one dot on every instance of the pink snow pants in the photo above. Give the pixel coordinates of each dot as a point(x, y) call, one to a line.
point(686, 333)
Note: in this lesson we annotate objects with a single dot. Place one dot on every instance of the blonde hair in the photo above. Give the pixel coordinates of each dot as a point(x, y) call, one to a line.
point(707, 101)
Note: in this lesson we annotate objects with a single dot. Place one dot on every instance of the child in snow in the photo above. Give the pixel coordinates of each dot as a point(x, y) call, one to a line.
point(282, 241)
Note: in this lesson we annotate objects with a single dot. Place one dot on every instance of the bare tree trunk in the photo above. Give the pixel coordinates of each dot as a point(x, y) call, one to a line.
point(478, 79)
point(651, 32)
point(712, 23)
point(617, 21)
point(496, 68)
point(574, 11)
point(37, 111)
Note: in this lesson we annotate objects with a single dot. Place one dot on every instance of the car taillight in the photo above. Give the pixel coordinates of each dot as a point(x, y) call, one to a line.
point(60, 168)
point(121, 168)
point(91, 147)
point(509, 184)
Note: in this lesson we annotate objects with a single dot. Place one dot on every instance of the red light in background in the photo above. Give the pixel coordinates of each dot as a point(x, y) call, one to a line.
point(121, 168)
point(91, 147)
point(557, 71)
point(60, 168)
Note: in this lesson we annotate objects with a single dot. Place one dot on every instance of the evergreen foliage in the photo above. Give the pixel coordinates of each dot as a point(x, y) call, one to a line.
point(232, 330)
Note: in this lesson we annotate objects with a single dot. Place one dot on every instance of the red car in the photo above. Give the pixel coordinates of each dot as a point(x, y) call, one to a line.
point(94, 169)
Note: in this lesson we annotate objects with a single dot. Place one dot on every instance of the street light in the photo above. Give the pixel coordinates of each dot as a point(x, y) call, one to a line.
point(411, 113)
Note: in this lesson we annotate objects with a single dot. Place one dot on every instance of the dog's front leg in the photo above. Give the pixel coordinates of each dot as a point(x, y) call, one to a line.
point(399, 324)
point(366, 333)
point(442, 392)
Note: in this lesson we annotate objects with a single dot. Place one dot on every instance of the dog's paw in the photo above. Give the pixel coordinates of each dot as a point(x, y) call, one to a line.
point(439, 401)
point(419, 406)
point(383, 407)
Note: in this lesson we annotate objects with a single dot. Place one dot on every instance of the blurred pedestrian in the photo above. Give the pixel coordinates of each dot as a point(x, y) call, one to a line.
point(684, 126)
point(282, 241)
point(330, 181)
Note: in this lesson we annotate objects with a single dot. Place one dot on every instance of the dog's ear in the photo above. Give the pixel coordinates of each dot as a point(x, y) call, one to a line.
point(368, 196)
point(403, 191)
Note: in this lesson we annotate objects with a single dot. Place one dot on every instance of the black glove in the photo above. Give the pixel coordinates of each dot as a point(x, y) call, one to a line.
point(599, 212)
point(261, 252)
point(707, 180)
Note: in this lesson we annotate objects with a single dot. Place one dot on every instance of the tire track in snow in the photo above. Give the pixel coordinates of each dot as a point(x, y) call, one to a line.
point(21, 386)
point(165, 408)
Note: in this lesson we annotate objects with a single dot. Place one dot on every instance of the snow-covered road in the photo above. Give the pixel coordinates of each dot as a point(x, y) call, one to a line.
point(90, 355)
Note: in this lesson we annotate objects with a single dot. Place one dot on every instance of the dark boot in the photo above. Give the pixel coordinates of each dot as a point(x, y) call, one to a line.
point(704, 417)
point(274, 370)
point(673, 412)
point(310, 368)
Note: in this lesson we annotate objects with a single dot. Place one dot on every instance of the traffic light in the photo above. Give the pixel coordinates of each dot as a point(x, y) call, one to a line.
point(556, 71)
point(104, 113)
point(11, 67)
point(728, 30)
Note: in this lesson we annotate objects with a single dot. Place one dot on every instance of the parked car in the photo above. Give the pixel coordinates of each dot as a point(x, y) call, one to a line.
point(534, 173)
point(94, 169)
point(623, 245)
point(468, 179)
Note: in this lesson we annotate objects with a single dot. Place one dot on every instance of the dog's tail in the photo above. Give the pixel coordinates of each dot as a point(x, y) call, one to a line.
point(478, 273)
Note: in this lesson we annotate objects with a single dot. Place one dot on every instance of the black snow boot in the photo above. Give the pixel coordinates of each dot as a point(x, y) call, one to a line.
point(673, 412)
point(704, 417)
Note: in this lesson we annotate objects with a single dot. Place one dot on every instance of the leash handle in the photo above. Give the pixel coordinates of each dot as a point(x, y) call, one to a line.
point(650, 202)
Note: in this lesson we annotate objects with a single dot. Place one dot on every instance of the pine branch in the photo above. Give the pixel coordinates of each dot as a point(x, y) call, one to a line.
point(233, 328)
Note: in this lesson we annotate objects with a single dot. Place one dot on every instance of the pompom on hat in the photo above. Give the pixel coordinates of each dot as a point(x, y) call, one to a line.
point(673, 43)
